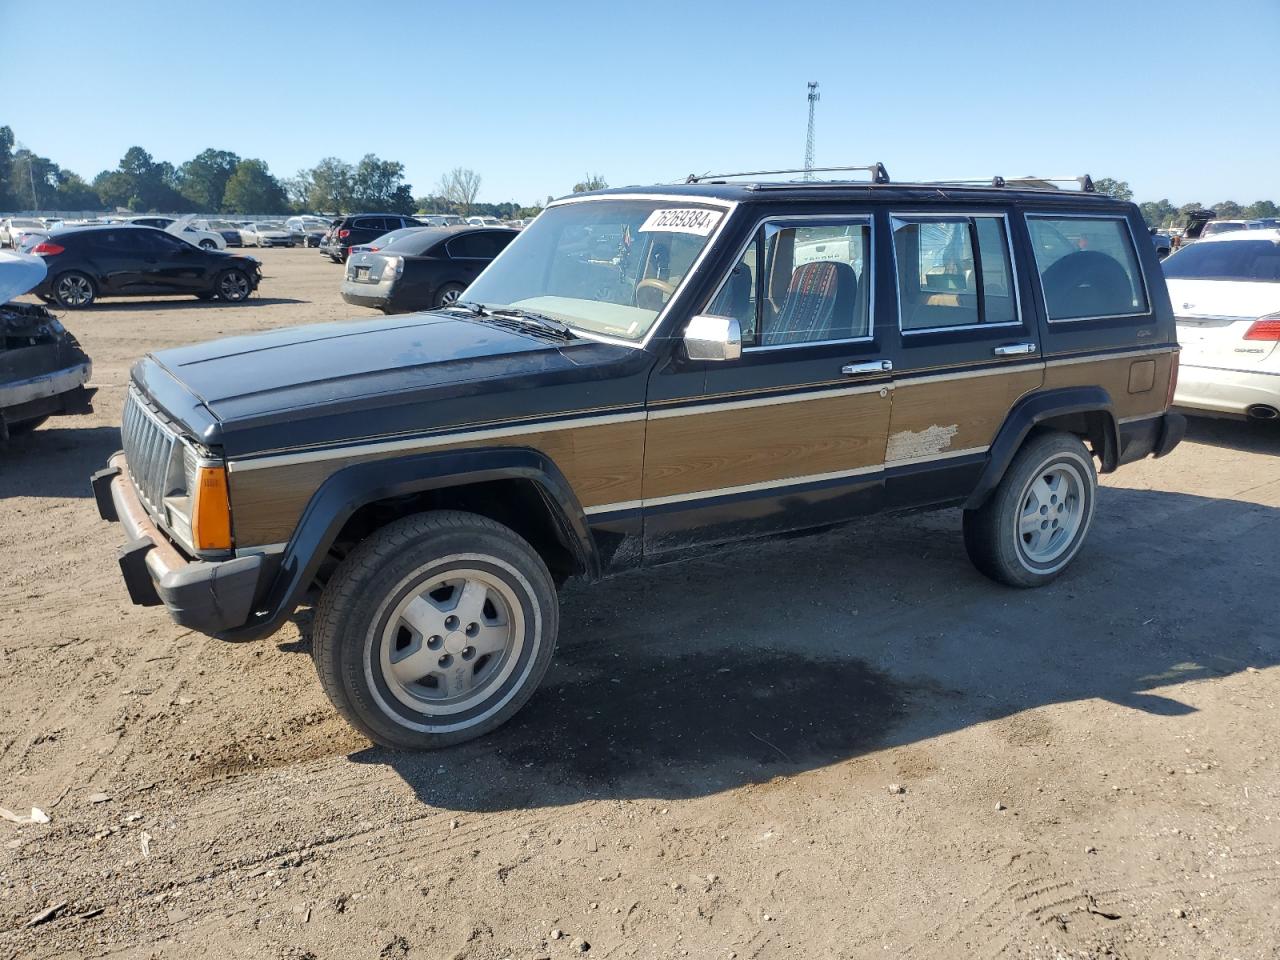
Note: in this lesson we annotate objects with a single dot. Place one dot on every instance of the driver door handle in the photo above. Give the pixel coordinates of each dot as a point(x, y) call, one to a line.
point(1015, 350)
point(875, 366)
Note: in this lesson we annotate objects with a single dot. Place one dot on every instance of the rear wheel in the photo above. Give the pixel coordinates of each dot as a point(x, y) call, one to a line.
point(74, 290)
point(207, 244)
point(1035, 522)
point(448, 295)
point(232, 286)
point(435, 630)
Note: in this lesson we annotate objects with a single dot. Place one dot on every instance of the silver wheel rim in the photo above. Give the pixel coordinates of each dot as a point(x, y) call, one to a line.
point(450, 297)
point(1052, 510)
point(208, 244)
point(233, 286)
point(75, 291)
point(452, 641)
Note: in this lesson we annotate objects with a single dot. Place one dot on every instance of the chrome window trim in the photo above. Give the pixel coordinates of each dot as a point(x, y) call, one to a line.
point(729, 206)
point(1014, 277)
point(1133, 249)
point(844, 219)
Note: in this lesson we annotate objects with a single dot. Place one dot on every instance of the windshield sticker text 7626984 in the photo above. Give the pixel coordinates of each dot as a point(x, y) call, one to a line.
point(686, 220)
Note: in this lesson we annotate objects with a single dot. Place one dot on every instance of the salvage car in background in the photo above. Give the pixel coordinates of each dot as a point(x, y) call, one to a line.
point(85, 263)
point(229, 231)
point(307, 231)
point(1225, 291)
point(12, 227)
point(361, 228)
point(43, 371)
point(266, 234)
point(427, 269)
point(378, 243)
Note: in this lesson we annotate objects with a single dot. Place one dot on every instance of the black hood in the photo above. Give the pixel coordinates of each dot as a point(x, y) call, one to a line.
point(342, 381)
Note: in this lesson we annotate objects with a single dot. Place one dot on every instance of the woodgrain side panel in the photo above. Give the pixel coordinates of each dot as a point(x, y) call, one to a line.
point(940, 416)
point(730, 448)
point(1113, 374)
point(602, 463)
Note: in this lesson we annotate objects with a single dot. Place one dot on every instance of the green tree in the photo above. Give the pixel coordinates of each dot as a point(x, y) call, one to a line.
point(1112, 188)
point(1228, 210)
point(74, 194)
point(1261, 208)
point(203, 178)
point(34, 180)
point(252, 189)
point(331, 186)
point(379, 185)
point(1158, 213)
point(115, 189)
point(298, 190)
point(6, 161)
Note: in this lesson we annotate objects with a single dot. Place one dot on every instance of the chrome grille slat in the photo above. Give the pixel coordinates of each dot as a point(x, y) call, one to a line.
point(148, 447)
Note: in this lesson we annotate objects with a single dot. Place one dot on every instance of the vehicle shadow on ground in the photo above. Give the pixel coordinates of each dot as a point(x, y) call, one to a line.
point(1247, 436)
point(687, 680)
point(55, 460)
point(129, 306)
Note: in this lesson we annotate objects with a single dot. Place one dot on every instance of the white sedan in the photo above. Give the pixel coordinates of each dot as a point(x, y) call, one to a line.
point(266, 234)
point(1225, 292)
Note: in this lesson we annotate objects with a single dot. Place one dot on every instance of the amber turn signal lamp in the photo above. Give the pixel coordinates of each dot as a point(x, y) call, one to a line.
point(211, 512)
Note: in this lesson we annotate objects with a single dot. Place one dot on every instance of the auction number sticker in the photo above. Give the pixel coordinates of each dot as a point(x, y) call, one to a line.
point(686, 220)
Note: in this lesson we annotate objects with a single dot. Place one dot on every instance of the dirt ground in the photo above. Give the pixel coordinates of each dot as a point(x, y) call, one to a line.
point(1090, 770)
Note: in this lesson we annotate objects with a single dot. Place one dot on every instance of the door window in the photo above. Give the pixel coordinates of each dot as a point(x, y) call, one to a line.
point(478, 246)
point(1088, 267)
point(800, 284)
point(953, 272)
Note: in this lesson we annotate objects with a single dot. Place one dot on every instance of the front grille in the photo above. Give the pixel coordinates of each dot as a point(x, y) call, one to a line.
point(148, 449)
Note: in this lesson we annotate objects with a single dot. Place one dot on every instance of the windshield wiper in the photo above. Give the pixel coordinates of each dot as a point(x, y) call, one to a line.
point(537, 319)
point(476, 309)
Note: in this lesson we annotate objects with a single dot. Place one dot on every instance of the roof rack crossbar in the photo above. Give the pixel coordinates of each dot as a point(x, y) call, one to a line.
point(878, 173)
point(1084, 182)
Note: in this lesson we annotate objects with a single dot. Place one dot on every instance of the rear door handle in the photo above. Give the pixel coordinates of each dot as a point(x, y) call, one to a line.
point(875, 366)
point(1014, 350)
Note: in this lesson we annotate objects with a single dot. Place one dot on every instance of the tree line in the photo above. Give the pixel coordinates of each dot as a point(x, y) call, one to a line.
point(1162, 213)
point(221, 181)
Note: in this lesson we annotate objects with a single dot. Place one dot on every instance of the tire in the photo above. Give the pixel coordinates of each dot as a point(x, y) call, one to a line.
point(208, 244)
point(447, 295)
point(74, 290)
point(368, 653)
point(233, 286)
point(1036, 520)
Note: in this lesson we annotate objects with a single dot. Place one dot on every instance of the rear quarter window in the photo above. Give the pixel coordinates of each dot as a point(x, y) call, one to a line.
point(1088, 267)
point(1249, 260)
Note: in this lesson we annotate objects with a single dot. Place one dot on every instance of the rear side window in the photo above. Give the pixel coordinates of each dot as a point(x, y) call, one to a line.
point(953, 272)
point(1230, 260)
point(1088, 267)
point(478, 246)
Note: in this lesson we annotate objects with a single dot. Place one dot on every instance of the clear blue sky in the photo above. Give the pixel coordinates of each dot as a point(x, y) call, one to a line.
point(535, 95)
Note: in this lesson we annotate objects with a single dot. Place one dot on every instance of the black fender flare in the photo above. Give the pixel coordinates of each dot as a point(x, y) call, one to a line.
point(355, 486)
point(1034, 409)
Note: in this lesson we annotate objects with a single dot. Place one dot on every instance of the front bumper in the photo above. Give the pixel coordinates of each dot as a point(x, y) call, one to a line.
point(208, 596)
point(1226, 392)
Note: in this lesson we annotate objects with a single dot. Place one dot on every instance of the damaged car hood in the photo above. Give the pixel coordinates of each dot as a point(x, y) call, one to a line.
point(19, 274)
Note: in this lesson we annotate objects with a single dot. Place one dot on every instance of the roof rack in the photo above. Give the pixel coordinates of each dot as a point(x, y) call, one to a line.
point(1084, 182)
point(878, 173)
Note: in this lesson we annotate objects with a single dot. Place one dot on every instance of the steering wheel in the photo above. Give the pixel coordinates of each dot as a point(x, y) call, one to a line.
point(646, 300)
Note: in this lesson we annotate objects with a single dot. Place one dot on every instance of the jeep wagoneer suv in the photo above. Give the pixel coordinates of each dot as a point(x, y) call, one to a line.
point(640, 374)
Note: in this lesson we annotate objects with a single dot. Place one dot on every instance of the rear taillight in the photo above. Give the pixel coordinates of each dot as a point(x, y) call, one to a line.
point(343, 234)
point(1173, 379)
point(1264, 328)
point(48, 248)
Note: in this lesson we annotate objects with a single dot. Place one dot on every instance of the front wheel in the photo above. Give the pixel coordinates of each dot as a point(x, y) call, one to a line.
point(435, 630)
point(207, 244)
point(1035, 522)
point(232, 286)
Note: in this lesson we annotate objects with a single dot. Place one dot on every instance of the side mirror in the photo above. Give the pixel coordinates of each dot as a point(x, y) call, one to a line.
point(713, 338)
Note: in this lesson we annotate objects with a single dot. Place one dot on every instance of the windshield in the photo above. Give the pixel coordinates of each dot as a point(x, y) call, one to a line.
point(603, 266)
point(270, 226)
point(1226, 260)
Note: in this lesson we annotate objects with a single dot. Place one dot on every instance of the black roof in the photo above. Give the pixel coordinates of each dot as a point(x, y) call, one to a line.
point(762, 190)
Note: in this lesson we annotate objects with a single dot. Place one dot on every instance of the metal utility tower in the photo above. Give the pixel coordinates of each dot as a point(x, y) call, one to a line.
point(814, 97)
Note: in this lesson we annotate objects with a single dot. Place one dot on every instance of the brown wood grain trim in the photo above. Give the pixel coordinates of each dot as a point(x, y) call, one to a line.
point(930, 418)
point(730, 448)
point(602, 463)
point(1112, 374)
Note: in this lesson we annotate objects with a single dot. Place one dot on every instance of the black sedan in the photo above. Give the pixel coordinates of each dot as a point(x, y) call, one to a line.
point(86, 263)
point(425, 270)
